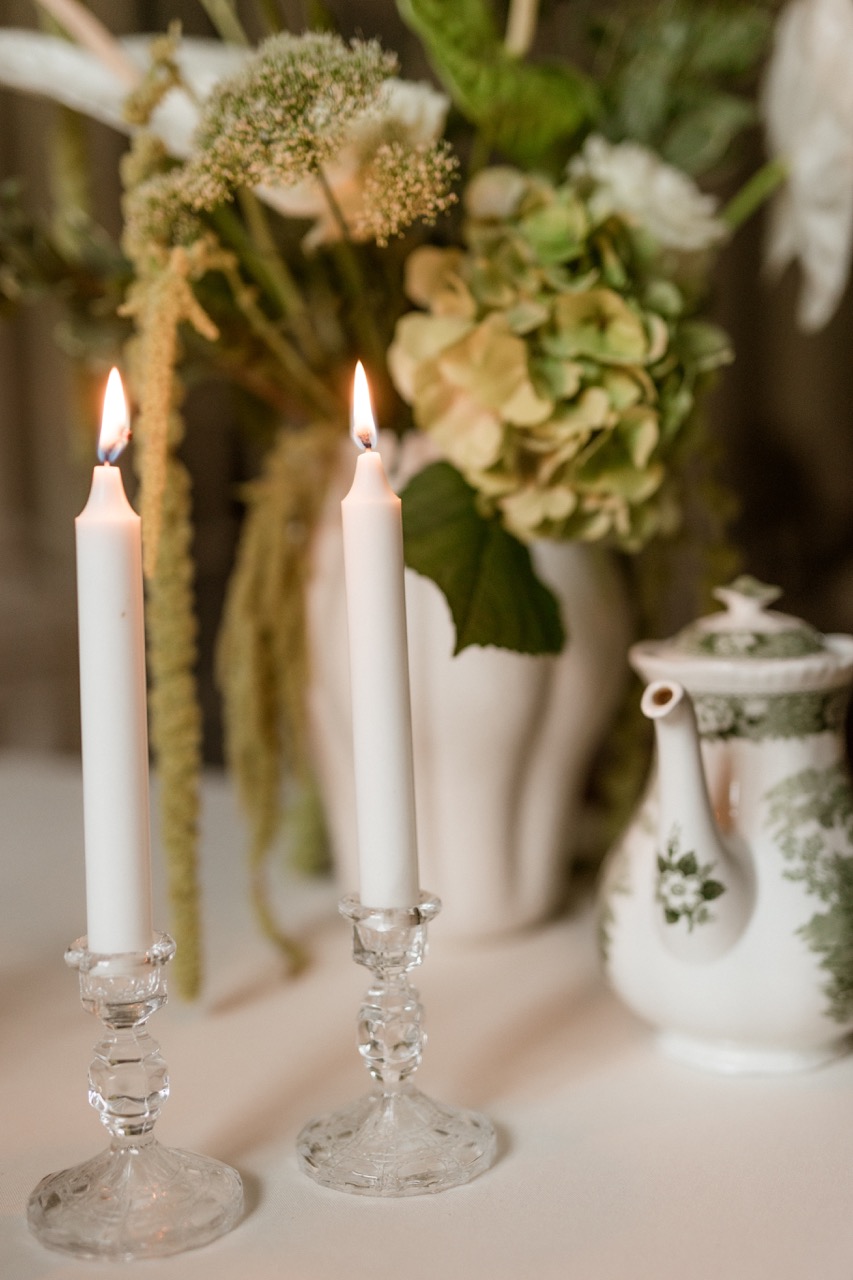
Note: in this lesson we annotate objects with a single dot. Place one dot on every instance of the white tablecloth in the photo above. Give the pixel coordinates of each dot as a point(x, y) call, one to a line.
point(614, 1162)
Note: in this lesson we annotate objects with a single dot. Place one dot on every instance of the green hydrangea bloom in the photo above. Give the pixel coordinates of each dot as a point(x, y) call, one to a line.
point(555, 361)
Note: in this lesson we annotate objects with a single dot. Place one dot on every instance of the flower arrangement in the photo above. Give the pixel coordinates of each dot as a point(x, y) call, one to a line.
point(528, 246)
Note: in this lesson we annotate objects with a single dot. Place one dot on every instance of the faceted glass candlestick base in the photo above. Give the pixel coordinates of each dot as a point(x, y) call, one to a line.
point(142, 1201)
point(396, 1144)
point(395, 1141)
point(137, 1199)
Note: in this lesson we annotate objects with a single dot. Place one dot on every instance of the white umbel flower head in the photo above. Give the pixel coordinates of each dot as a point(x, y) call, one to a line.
point(663, 201)
point(408, 112)
point(807, 104)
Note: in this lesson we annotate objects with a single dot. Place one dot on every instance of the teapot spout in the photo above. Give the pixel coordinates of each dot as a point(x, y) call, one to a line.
point(704, 892)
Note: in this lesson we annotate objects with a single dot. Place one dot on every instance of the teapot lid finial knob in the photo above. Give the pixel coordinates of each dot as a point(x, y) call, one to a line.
point(746, 596)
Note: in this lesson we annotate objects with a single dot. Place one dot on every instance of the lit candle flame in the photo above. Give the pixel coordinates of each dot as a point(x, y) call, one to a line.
point(115, 422)
point(362, 422)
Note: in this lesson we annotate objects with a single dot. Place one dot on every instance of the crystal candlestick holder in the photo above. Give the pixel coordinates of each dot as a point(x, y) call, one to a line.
point(395, 1141)
point(138, 1199)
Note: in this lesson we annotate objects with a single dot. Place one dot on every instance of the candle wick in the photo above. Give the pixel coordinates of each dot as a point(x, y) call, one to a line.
point(115, 450)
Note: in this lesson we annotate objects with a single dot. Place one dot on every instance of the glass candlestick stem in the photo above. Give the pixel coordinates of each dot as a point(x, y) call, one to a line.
point(395, 1141)
point(137, 1199)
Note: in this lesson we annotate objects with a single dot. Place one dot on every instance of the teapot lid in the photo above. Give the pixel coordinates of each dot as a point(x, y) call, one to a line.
point(747, 629)
point(748, 646)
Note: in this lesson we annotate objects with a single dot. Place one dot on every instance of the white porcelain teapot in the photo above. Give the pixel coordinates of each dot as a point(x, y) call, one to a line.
point(727, 907)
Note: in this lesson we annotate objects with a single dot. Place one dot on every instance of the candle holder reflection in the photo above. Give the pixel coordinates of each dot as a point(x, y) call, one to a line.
point(395, 1141)
point(137, 1199)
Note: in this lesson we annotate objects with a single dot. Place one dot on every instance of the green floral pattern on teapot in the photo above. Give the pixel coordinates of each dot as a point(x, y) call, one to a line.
point(752, 644)
point(810, 814)
point(781, 715)
point(685, 886)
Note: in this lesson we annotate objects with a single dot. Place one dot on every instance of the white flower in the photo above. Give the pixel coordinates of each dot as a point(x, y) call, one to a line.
point(807, 104)
point(409, 112)
point(55, 68)
point(637, 184)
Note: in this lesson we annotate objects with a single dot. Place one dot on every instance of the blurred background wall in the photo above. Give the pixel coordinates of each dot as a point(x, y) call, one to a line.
point(782, 416)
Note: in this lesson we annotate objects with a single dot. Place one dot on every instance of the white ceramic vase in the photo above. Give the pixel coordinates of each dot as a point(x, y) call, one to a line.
point(503, 742)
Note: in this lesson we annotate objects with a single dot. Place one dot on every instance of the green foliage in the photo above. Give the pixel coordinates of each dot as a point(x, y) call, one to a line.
point(681, 77)
point(677, 77)
point(29, 262)
point(528, 111)
point(700, 138)
point(86, 272)
point(485, 573)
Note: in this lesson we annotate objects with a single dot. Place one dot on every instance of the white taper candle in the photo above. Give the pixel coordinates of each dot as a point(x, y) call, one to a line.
point(379, 667)
point(113, 701)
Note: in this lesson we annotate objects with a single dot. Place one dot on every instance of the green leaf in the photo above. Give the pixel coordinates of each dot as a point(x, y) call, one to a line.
point(730, 44)
point(678, 73)
point(487, 575)
point(688, 866)
point(470, 23)
point(699, 139)
point(526, 110)
point(712, 889)
point(642, 96)
point(702, 346)
point(671, 917)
